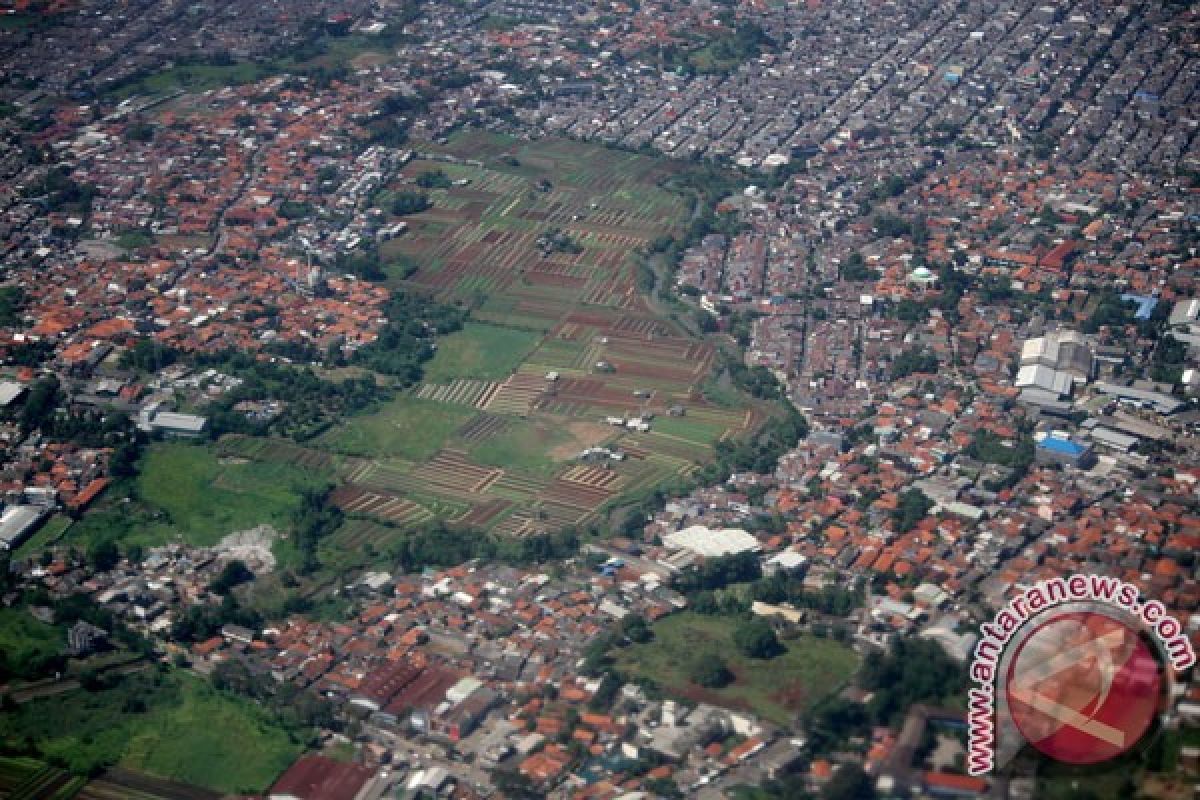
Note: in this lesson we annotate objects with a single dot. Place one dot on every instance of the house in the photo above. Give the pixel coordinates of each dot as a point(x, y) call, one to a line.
point(320, 778)
point(17, 522)
point(170, 423)
point(83, 638)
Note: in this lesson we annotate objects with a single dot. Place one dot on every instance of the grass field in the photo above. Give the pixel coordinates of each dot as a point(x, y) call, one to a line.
point(173, 726)
point(479, 351)
point(777, 689)
point(527, 445)
point(186, 492)
point(347, 51)
point(44, 536)
point(25, 641)
point(691, 430)
point(406, 427)
point(205, 499)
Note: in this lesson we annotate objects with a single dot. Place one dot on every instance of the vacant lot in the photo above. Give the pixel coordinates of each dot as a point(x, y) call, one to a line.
point(188, 492)
point(778, 688)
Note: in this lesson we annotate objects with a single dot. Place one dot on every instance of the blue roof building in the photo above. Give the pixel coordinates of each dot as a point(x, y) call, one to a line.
point(1146, 304)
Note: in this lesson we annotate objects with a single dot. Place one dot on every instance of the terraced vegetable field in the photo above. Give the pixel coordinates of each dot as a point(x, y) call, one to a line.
point(562, 349)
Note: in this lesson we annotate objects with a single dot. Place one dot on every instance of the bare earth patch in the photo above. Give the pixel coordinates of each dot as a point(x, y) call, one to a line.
point(583, 436)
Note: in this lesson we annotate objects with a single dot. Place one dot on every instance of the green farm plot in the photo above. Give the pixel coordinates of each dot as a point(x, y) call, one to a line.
point(811, 669)
point(352, 544)
point(26, 643)
point(692, 430)
point(185, 491)
point(174, 726)
point(535, 310)
point(30, 779)
point(406, 427)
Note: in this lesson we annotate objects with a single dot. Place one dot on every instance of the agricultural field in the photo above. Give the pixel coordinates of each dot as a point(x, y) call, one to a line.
point(777, 689)
point(23, 778)
point(193, 493)
point(30, 779)
point(183, 730)
point(537, 239)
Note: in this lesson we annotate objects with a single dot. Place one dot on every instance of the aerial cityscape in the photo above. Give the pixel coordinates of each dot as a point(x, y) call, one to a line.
point(634, 399)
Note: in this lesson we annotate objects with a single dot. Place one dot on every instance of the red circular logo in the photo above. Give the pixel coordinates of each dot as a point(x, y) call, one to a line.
point(1083, 687)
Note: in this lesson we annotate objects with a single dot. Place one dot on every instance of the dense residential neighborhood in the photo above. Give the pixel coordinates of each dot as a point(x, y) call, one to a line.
point(522, 398)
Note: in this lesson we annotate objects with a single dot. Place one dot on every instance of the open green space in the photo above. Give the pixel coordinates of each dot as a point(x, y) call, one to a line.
point(810, 670)
point(479, 350)
point(44, 536)
point(328, 53)
point(535, 309)
point(171, 725)
point(26, 642)
point(527, 445)
point(193, 78)
point(405, 427)
point(693, 430)
point(185, 491)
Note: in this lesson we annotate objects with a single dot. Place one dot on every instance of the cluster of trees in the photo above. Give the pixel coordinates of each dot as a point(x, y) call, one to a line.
point(913, 671)
point(913, 360)
point(364, 263)
point(314, 519)
point(1169, 360)
point(717, 573)
point(439, 545)
point(405, 203)
point(62, 192)
point(12, 300)
point(556, 240)
point(406, 342)
point(42, 411)
point(148, 355)
point(434, 179)
point(912, 508)
point(781, 587)
point(40, 404)
point(300, 711)
point(201, 622)
point(709, 671)
point(892, 226)
point(761, 451)
point(756, 639)
point(990, 448)
point(233, 574)
point(293, 209)
point(854, 268)
point(311, 402)
point(1112, 312)
point(757, 382)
